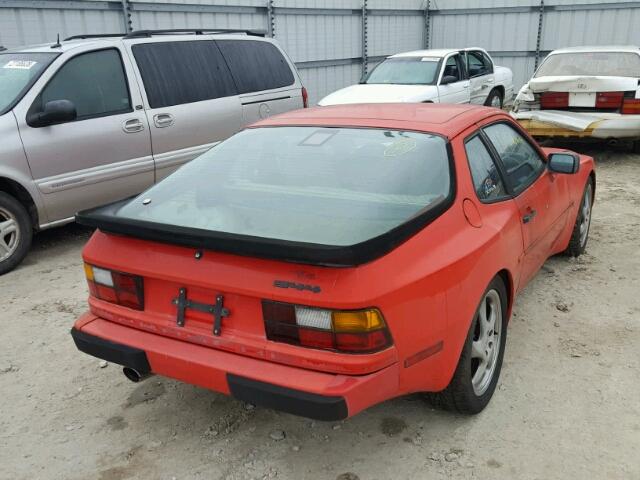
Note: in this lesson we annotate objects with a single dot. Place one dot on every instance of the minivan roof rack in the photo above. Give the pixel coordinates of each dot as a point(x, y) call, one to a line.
point(194, 31)
point(94, 35)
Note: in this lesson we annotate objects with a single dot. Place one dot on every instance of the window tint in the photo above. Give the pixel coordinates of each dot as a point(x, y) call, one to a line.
point(175, 73)
point(256, 66)
point(521, 161)
point(452, 68)
point(485, 175)
point(477, 64)
point(95, 82)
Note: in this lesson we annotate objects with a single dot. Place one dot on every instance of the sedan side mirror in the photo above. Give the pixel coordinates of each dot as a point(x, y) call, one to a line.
point(564, 162)
point(447, 79)
point(54, 111)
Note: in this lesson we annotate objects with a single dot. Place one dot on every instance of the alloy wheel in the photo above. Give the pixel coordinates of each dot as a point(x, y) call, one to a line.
point(485, 348)
point(9, 234)
point(585, 221)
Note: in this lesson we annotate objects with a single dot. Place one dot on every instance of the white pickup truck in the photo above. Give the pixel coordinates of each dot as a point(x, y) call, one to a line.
point(440, 76)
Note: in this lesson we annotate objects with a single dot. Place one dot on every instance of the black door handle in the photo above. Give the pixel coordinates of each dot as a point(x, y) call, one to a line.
point(529, 216)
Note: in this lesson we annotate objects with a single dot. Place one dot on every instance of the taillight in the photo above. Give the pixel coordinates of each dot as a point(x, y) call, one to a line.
point(609, 99)
point(631, 106)
point(554, 100)
point(305, 98)
point(115, 287)
point(347, 331)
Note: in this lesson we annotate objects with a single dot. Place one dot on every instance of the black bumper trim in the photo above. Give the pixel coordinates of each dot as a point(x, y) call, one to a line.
point(296, 402)
point(111, 351)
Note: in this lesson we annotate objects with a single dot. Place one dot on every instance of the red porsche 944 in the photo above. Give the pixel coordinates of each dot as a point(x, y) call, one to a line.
point(325, 260)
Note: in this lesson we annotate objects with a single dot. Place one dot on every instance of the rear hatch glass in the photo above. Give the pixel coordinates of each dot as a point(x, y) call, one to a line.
point(300, 193)
point(612, 64)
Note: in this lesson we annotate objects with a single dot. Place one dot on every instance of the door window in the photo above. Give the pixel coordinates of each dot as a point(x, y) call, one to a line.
point(452, 68)
point(487, 181)
point(95, 82)
point(176, 73)
point(521, 161)
point(478, 64)
point(256, 66)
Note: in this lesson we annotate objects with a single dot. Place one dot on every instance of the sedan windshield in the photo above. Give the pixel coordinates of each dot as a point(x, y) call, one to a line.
point(611, 64)
point(329, 186)
point(18, 71)
point(406, 71)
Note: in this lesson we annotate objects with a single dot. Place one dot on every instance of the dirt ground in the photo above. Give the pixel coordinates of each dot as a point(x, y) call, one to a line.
point(567, 405)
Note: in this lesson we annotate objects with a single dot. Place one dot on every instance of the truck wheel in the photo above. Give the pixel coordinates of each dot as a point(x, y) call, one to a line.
point(478, 370)
point(580, 233)
point(494, 99)
point(15, 232)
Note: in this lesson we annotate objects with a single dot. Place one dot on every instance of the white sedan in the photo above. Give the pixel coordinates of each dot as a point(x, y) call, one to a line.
point(584, 92)
point(439, 76)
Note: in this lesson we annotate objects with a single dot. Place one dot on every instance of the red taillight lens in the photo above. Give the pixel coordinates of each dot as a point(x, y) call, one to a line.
point(554, 100)
point(115, 287)
point(609, 99)
point(305, 98)
point(357, 331)
point(631, 106)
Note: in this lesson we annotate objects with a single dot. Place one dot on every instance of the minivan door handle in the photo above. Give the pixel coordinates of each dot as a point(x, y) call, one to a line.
point(162, 120)
point(132, 125)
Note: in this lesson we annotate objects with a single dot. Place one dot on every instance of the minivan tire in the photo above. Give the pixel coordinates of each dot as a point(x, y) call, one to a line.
point(16, 237)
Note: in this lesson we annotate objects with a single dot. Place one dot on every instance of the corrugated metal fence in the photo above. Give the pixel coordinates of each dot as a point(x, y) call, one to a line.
point(334, 42)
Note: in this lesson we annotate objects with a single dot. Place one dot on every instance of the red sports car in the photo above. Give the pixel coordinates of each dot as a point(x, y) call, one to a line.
point(325, 260)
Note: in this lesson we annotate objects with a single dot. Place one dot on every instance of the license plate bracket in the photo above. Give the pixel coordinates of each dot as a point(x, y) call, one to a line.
point(582, 99)
point(217, 309)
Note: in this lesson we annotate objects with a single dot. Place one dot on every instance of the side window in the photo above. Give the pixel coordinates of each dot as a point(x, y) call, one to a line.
point(486, 177)
point(95, 82)
point(256, 66)
point(487, 62)
point(520, 160)
point(452, 67)
point(176, 73)
point(476, 64)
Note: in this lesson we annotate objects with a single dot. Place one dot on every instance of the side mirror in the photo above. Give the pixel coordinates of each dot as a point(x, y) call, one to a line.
point(447, 79)
point(563, 162)
point(55, 111)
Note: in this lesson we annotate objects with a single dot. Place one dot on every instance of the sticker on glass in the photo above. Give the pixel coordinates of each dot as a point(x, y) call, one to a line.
point(20, 64)
point(400, 147)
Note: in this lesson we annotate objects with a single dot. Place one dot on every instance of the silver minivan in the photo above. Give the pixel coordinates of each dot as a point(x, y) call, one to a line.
point(94, 119)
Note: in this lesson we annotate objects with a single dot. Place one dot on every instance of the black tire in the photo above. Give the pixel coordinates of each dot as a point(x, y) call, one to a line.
point(635, 146)
point(578, 243)
point(492, 95)
point(460, 395)
point(12, 209)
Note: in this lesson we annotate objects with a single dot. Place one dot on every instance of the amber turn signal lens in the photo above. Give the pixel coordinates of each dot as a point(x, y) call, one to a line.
point(357, 321)
point(88, 271)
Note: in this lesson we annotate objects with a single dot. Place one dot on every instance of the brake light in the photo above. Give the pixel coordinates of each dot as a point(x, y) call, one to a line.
point(554, 100)
point(631, 106)
point(347, 331)
point(115, 287)
point(609, 99)
point(305, 98)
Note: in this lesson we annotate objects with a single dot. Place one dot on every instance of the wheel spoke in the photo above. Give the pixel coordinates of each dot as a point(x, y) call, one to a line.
point(478, 351)
point(7, 227)
point(4, 248)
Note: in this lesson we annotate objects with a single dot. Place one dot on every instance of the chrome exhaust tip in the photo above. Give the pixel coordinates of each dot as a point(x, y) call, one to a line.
point(134, 375)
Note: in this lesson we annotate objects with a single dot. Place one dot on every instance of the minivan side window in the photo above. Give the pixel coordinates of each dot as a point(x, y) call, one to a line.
point(521, 161)
point(95, 82)
point(255, 65)
point(487, 180)
point(176, 73)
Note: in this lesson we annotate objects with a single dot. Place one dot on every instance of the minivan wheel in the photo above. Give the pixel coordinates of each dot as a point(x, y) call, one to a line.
point(478, 370)
point(15, 232)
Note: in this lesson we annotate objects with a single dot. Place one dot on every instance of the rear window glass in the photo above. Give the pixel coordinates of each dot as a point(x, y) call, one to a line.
point(330, 186)
point(256, 66)
point(613, 64)
point(175, 73)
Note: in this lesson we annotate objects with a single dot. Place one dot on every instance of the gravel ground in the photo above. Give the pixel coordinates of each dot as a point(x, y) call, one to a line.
point(566, 407)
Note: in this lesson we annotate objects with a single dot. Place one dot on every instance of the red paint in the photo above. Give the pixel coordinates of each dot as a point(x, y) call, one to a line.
point(427, 288)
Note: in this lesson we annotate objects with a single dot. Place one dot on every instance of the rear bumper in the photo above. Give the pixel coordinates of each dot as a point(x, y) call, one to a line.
point(307, 393)
point(556, 123)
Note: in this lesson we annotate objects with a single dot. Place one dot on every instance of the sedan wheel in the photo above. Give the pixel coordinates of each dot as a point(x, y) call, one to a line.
point(580, 233)
point(486, 342)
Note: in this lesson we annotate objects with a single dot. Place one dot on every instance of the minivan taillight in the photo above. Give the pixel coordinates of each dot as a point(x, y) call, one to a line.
point(305, 98)
point(115, 287)
point(345, 331)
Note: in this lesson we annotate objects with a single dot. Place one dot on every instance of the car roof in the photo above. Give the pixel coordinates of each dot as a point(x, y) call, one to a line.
point(439, 52)
point(599, 48)
point(447, 120)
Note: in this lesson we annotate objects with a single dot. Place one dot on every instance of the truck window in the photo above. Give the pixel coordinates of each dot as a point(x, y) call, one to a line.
point(176, 73)
point(256, 66)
